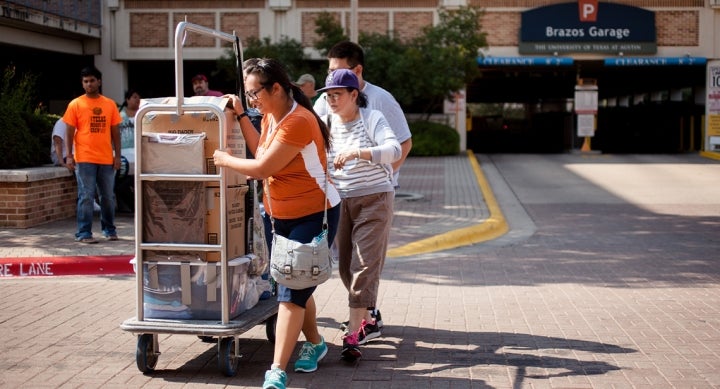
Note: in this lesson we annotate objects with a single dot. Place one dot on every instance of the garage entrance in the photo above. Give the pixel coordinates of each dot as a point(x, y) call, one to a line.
point(643, 109)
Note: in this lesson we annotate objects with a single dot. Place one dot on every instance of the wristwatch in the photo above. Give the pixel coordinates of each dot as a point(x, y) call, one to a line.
point(242, 115)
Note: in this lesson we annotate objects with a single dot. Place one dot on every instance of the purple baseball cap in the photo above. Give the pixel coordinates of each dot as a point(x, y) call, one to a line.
point(341, 78)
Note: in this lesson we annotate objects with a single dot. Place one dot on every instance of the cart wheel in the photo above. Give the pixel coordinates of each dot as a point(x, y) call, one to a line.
point(270, 327)
point(227, 360)
point(206, 339)
point(146, 355)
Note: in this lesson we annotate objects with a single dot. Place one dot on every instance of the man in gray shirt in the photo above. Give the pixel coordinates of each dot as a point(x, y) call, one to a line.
point(349, 55)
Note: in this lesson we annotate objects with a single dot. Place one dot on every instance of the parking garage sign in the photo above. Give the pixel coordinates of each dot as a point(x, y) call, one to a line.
point(588, 27)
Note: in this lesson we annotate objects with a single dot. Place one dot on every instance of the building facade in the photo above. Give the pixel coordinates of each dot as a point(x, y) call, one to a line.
point(529, 77)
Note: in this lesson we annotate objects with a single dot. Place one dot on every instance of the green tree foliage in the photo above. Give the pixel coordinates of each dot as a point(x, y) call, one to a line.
point(330, 32)
point(433, 139)
point(421, 72)
point(21, 126)
point(448, 52)
point(287, 51)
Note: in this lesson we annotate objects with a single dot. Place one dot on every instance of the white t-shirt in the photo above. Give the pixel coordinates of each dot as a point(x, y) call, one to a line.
point(381, 100)
point(127, 139)
point(60, 129)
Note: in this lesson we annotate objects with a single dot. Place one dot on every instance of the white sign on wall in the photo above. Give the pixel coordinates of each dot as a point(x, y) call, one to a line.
point(585, 125)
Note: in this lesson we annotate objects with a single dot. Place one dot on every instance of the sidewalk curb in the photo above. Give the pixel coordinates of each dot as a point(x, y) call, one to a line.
point(491, 228)
point(65, 266)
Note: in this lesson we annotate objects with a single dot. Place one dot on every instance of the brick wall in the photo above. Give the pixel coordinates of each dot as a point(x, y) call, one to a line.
point(408, 25)
point(151, 22)
point(677, 28)
point(502, 28)
point(35, 196)
point(149, 29)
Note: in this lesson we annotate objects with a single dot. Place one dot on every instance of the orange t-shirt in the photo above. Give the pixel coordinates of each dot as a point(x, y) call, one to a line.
point(299, 188)
point(92, 119)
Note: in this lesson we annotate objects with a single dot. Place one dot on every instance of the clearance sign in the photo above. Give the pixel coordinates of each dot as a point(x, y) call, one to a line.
point(588, 26)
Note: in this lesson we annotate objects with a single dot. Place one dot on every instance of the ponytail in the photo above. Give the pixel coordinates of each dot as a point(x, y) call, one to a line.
point(298, 95)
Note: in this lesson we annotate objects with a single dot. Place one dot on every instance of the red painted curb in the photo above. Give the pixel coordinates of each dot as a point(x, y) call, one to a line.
point(65, 266)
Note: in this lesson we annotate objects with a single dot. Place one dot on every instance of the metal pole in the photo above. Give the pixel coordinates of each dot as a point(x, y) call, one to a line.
point(354, 21)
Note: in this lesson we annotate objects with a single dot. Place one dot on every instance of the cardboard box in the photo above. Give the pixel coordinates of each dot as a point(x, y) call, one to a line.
point(197, 122)
point(192, 290)
point(236, 226)
point(173, 153)
point(173, 212)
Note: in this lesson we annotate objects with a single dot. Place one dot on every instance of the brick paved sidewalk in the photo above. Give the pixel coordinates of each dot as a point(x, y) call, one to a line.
point(613, 281)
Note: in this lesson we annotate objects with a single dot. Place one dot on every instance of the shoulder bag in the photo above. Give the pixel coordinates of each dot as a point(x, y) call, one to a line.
point(300, 265)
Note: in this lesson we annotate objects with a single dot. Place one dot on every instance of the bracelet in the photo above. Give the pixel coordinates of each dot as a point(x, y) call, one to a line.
point(242, 115)
point(358, 154)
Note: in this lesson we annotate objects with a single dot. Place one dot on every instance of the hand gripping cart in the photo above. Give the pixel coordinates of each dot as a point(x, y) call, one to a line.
point(227, 328)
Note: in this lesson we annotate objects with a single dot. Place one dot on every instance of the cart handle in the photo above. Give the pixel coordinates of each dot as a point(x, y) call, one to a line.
point(180, 32)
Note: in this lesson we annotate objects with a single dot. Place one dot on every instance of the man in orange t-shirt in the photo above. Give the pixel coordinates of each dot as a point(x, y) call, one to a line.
point(93, 133)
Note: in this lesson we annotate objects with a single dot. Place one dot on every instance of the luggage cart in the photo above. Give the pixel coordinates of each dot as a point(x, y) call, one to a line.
point(228, 329)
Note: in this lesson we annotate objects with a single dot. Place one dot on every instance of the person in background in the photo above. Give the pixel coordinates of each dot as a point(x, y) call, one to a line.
point(363, 149)
point(306, 82)
point(349, 55)
point(93, 134)
point(128, 109)
point(124, 183)
point(291, 156)
point(202, 88)
point(58, 152)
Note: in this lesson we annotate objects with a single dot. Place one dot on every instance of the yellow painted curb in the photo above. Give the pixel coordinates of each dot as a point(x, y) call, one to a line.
point(493, 227)
point(710, 154)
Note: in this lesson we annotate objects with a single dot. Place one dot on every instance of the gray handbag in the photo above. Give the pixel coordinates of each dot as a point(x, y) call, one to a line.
point(300, 265)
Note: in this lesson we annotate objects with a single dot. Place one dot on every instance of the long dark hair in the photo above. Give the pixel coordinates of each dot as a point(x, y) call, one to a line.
point(128, 94)
point(270, 71)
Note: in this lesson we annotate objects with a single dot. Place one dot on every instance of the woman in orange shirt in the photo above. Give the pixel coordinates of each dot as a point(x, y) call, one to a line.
point(291, 156)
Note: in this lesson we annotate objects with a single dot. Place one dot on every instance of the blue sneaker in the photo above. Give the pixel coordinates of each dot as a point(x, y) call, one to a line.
point(310, 355)
point(275, 379)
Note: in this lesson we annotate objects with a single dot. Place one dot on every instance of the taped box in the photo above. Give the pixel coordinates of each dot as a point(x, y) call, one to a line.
point(173, 212)
point(188, 212)
point(192, 290)
point(235, 221)
point(198, 122)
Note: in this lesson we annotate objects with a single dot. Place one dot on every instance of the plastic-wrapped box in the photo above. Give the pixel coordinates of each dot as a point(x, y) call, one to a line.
point(197, 122)
point(173, 212)
point(192, 290)
point(173, 153)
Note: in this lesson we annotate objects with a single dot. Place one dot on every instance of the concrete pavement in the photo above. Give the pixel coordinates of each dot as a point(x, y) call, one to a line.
point(607, 277)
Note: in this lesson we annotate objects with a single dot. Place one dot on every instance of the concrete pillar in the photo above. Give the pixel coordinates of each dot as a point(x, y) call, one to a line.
point(115, 78)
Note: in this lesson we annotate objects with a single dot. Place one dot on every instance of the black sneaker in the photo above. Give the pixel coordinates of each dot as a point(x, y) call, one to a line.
point(368, 332)
point(378, 318)
point(374, 314)
point(344, 325)
point(351, 350)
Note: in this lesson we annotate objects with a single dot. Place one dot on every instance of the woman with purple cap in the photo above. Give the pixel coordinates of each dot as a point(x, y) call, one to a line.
point(363, 149)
